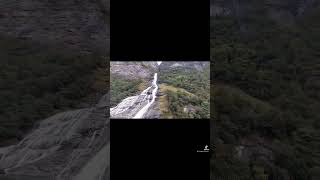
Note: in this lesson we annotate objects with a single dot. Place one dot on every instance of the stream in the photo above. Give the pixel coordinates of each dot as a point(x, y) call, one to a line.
point(154, 92)
point(136, 107)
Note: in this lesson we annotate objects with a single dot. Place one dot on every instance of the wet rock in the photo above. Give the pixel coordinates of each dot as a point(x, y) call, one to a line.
point(136, 106)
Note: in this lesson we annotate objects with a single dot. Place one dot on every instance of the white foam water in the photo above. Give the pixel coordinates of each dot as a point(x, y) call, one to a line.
point(154, 92)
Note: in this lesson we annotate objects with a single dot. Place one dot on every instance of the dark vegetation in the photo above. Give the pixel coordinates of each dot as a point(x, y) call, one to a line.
point(35, 84)
point(195, 82)
point(122, 87)
point(267, 98)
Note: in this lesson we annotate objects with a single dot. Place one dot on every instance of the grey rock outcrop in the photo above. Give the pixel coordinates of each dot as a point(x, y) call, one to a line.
point(65, 146)
point(130, 106)
point(133, 69)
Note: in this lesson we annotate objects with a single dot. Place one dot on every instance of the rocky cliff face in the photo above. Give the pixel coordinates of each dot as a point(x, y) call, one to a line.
point(69, 145)
point(71, 25)
point(133, 69)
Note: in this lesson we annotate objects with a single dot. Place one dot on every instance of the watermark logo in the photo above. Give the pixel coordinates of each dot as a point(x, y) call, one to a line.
point(205, 149)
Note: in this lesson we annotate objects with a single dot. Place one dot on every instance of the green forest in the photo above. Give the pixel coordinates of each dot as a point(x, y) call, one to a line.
point(266, 98)
point(36, 83)
point(122, 87)
point(187, 92)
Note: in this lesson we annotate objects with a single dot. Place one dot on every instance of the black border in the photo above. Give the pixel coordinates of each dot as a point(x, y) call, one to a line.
point(165, 30)
point(131, 137)
point(160, 30)
point(162, 148)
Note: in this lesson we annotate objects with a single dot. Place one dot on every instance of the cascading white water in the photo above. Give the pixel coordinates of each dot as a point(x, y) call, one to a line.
point(154, 92)
point(127, 103)
point(137, 106)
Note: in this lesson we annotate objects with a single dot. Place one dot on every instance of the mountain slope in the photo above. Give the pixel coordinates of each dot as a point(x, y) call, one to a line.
point(62, 145)
point(65, 26)
point(53, 59)
point(129, 78)
point(262, 59)
point(133, 85)
point(185, 88)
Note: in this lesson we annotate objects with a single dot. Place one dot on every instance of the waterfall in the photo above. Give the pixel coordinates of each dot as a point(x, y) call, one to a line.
point(154, 93)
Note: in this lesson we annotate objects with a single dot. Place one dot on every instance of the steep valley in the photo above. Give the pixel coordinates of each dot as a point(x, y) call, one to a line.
point(134, 92)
